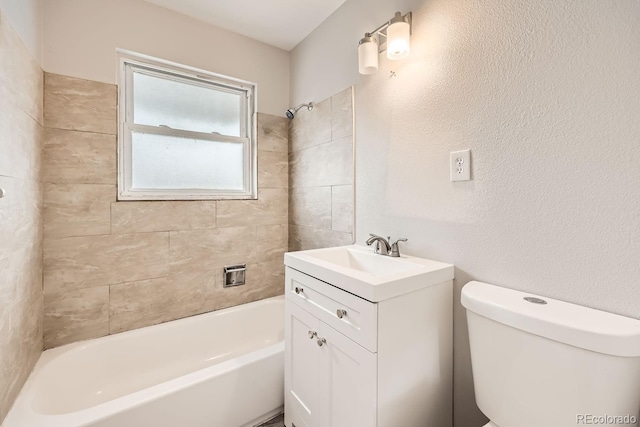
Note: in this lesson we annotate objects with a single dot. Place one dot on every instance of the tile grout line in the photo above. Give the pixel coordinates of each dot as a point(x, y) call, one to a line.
point(115, 135)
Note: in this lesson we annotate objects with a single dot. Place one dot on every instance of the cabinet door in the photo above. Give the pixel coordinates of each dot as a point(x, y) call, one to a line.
point(302, 363)
point(348, 383)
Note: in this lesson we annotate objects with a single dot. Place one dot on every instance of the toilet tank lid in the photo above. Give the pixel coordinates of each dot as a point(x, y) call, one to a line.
point(571, 324)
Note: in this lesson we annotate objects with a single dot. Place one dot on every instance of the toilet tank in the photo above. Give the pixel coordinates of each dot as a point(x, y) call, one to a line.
point(542, 362)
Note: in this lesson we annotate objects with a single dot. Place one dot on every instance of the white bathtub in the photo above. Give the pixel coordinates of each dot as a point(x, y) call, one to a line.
point(220, 369)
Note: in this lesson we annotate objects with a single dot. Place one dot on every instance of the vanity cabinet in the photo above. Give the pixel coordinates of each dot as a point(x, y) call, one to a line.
point(350, 362)
point(332, 378)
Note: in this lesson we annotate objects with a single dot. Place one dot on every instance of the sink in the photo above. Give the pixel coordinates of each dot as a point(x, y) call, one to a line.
point(360, 271)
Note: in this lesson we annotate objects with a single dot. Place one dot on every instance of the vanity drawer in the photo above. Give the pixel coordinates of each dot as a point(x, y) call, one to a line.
point(359, 319)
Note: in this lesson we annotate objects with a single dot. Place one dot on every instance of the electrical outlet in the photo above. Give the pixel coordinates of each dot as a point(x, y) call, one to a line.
point(460, 165)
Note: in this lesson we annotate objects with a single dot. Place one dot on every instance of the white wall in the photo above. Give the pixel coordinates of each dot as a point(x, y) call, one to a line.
point(26, 18)
point(81, 37)
point(546, 94)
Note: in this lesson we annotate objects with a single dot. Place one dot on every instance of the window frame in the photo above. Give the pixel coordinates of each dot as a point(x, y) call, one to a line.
point(130, 61)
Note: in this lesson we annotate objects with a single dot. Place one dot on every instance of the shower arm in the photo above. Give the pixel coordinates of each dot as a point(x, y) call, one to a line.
point(309, 107)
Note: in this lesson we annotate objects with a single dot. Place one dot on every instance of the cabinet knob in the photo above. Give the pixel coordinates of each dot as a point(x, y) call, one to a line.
point(341, 313)
point(321, 341)
point(298, 290)
point(312, 334)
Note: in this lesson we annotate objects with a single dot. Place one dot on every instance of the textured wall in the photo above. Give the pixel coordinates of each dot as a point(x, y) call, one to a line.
point(321, 174)
point(20, 218)
point(545, 93)
point(82, 36)
point(113, 266)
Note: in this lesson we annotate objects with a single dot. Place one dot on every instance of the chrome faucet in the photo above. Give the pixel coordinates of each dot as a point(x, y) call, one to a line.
point(383, 246)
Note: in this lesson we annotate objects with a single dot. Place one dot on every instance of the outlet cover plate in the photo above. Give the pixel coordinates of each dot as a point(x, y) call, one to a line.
point(460, 165)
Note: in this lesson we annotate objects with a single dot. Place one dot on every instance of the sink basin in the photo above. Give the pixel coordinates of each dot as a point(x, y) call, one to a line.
point(360, 271)
point(365, 262)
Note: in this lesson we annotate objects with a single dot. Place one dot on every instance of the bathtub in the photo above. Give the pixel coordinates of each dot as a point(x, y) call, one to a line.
point(220, 369)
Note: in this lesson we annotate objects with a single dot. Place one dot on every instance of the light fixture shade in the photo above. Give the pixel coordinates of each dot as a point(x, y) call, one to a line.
point(368, 55)
point(398, 40)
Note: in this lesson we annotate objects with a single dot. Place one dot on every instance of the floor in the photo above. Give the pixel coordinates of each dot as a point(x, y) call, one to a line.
point(275, 422)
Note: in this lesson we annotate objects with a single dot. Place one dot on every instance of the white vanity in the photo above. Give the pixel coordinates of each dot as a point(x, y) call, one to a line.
point(368, 340)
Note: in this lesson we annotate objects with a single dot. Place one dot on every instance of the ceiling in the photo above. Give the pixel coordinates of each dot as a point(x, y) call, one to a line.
point(281, 23)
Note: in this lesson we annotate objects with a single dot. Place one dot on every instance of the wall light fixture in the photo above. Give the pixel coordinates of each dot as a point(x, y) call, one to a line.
point(394, 36)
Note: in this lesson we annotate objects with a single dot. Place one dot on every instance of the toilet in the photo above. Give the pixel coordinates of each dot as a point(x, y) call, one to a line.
point(539, 362)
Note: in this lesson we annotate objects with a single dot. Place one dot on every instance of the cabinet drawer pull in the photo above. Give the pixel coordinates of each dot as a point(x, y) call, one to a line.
point(341, 313)
point(298, 290)
point(321, 341)
point(312, 334)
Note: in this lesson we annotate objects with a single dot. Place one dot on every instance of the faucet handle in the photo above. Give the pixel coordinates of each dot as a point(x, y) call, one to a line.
point(395, 252)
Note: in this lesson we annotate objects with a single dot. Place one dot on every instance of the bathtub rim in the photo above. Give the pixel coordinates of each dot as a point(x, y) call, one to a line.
point(24, 413)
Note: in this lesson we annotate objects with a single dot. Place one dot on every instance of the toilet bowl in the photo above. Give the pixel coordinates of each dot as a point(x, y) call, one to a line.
point(542, 362)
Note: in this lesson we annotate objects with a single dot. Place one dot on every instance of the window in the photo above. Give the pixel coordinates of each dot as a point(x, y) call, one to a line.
point(184, 134)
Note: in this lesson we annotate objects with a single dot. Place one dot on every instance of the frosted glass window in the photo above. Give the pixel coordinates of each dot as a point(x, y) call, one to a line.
point(168, 162)
point(185, 105)
point(184, 134)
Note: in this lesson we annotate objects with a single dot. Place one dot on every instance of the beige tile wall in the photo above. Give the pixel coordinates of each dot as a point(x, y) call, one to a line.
point(114, 266)
point(321, 174)
point(20, 214)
